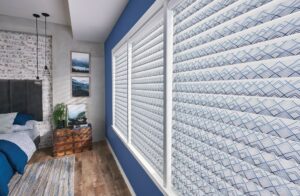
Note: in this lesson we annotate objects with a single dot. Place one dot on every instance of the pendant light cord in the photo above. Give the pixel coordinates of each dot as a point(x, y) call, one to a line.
point(37, 49)
point(45, 41)
point(46, 70)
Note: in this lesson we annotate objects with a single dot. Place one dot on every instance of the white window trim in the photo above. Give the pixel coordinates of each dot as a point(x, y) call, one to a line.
point(144, 163)
point(168, 78)
point(164, 184)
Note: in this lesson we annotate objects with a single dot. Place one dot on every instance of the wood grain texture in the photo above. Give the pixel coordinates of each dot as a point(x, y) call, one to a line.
point(96, 172)
point(69, 141)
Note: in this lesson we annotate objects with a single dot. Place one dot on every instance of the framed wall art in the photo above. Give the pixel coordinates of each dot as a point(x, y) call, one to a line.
point(80, 62)
point(80, 86)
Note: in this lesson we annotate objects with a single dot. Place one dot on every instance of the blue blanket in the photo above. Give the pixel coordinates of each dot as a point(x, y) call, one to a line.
point(15, 151)
point(14, 154)
point(6, 173)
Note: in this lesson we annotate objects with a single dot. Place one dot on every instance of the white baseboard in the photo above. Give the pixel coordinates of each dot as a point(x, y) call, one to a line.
point(121, 170)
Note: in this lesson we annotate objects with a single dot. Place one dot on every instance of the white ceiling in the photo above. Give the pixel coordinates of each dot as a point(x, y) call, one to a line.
point(58, 9)
point(91, 20)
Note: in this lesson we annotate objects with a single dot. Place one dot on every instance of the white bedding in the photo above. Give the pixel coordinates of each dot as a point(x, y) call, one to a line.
point(6, 122)
point(29, 128)
point(23, 136)
point(33, 134)
point(21, 139)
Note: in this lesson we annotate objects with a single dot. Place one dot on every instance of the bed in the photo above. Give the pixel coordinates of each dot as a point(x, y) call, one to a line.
point(20, 109)
point(19, 138)
point(32, 132)
point(16, 149)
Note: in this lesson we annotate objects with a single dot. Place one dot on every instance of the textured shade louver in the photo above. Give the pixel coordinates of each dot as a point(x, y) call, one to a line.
point(147, 94)
point(236, 97)
point(120, 79)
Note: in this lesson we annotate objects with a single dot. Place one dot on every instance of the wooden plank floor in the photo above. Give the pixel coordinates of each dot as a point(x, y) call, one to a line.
point(96, 172)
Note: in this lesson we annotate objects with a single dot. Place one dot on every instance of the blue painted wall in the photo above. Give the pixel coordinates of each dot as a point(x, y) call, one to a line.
point(140, 181)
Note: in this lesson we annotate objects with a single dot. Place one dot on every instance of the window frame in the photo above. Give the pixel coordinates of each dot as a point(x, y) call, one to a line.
point(158, 9)
point(163, 183)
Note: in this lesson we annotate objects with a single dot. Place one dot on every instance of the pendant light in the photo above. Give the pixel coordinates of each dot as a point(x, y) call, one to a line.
point(46, 71)
point(37, 45)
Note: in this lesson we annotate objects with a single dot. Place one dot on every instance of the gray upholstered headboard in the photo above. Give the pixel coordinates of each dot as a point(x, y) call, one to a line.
point(22, 96)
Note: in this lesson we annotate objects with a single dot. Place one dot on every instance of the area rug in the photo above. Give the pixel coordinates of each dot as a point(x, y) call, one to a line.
point(52, 178)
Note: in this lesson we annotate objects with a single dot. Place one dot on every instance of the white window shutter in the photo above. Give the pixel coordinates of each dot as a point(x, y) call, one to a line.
point(120, 94)
point(147, 93)
point(236, 97)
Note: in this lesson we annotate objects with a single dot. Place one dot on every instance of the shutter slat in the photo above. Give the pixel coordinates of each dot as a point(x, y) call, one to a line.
point(279, 27)
point(121, 91)
point(236, 97)
point(147, 95)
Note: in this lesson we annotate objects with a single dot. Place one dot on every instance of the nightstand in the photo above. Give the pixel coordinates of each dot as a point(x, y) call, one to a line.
point(68, 141)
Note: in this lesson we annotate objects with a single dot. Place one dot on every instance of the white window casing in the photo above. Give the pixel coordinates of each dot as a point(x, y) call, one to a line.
point(208, 98)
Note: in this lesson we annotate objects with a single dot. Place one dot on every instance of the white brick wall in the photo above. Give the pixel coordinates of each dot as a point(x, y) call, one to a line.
point(18, 61)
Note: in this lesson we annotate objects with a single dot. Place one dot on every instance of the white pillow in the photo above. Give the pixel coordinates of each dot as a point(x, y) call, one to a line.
point(30, 125)
point(6, 122)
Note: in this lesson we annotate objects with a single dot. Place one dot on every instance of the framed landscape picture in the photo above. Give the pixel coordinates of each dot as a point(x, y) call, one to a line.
point(80, 62)
point(80, 86)
point(77, 114)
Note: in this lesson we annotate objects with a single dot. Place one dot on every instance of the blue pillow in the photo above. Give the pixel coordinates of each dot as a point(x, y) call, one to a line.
point(6, 173)
point(21, 118)
point(15, 155)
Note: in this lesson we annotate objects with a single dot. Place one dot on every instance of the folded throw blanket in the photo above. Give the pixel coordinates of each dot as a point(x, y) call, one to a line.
point(18, 148)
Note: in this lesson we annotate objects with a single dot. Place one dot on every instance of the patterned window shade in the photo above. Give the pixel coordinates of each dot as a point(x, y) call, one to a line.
point(120, 75)
point(236, 97)
point(147, 95)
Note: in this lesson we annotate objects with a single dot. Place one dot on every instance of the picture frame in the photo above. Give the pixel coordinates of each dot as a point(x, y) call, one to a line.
point(80, 86)
point(77, 114)
point(80, 62)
